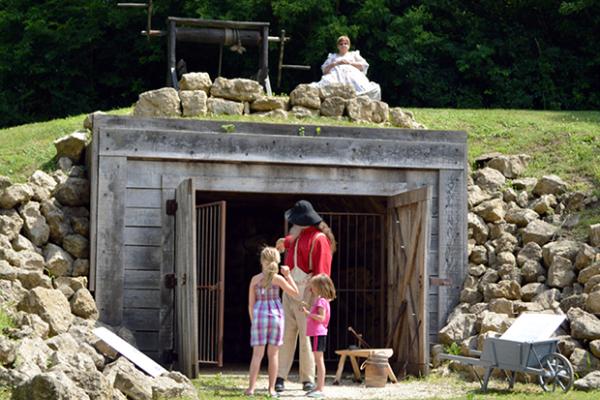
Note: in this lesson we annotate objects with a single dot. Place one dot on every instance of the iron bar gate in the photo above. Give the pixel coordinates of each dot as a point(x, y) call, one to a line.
point(358, 272)
point(211, 281)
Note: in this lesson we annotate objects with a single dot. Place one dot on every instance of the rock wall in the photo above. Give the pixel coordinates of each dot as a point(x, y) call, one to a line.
point(199, 96)
point(50, 352)
point(522, 259)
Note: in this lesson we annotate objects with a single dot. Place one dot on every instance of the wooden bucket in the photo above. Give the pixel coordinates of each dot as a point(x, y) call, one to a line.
point(376, 370)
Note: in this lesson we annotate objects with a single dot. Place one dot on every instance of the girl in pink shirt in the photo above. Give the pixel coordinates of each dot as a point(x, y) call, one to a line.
point(316, 325)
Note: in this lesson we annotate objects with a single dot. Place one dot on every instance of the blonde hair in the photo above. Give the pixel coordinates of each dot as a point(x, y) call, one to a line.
point(323, 227)
point(269, 259)
point(323, 286)
point(342, 38)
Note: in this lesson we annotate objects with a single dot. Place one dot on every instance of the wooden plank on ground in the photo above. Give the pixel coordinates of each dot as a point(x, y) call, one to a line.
point(109, 236)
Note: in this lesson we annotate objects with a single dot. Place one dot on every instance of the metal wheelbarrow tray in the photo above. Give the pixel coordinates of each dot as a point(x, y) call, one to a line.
point(537, 357)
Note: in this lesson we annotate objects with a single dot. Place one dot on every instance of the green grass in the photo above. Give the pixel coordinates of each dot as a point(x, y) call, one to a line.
point(566, 143)
point(4, 393)
point(5, 321)
point(219, 386)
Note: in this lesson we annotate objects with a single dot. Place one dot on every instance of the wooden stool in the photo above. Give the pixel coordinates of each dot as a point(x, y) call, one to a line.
point(353, 354)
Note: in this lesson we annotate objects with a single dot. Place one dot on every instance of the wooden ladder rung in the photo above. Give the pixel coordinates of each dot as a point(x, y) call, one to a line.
point(291, 66)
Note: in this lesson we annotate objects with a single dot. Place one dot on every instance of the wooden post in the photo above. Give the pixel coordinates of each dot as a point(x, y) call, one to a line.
point(171, 53)
point(263, 68)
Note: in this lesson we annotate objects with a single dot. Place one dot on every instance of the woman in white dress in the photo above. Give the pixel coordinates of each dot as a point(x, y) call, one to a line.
point(348, 67)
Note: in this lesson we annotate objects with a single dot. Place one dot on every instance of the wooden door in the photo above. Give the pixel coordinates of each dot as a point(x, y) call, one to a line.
point(408, 237)
point(185, 271)
point(211, 281)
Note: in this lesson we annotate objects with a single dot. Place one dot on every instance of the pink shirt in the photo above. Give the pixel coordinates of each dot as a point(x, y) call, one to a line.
point(316, 328)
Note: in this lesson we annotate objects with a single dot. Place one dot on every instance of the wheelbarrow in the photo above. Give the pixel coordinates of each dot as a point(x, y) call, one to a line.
point(530, 355)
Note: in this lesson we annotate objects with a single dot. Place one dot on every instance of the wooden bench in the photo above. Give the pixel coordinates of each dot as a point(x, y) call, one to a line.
point(353, 354)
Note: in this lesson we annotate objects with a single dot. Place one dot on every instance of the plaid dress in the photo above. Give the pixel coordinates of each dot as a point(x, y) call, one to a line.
point(267, 321)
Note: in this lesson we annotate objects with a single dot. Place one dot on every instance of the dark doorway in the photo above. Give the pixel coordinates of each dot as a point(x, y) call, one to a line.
point(358, 270)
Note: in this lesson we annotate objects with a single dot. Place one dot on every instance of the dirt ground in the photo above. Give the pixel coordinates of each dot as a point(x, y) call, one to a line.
point(430, 388)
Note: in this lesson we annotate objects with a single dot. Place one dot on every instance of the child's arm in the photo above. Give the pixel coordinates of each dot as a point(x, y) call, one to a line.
point(285, 282)
point(251, 298)
point(320, 316)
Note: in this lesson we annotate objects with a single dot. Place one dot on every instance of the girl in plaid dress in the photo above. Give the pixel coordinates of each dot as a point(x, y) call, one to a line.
point(266, 315)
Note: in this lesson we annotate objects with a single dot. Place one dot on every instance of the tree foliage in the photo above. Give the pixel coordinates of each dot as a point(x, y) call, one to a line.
point(60, 57)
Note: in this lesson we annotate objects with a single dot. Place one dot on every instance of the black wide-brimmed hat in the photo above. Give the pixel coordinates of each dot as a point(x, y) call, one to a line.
point(303, 214)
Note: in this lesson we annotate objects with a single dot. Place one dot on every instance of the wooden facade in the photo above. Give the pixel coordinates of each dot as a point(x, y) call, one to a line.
point(137, 165)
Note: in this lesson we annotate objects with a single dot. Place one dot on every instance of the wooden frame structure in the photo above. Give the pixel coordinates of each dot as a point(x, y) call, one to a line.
point(136, 166)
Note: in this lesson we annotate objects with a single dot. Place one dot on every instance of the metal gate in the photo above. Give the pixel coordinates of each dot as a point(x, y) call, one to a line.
point(210, 235)
point(358, 272)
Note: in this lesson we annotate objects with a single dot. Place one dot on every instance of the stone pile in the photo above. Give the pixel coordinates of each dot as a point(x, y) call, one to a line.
point(50, 352)
point(199, 96)
point(522, 259)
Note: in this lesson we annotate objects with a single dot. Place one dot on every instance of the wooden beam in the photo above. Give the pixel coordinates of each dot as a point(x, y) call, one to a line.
point(349, 132)
point(260, 148)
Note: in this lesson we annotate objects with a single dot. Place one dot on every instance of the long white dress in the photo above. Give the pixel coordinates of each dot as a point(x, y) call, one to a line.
point(345, 73)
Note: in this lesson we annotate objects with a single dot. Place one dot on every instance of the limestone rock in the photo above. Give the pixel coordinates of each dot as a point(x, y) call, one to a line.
point(237, 89)
point(51, 305)
point(595, 235)
point(363, 109)
point(72, 145)
point(574, 300)
point(128, 379)
point(505, 289)
point(404, 119)
point(58, 261)
point(592, 303)
point(269, 103)
point(589, 382)
point(530, 252)
point(544, 205)
point(532, 271)
point(10, 224)
point(531, 290)
point(218, 106)
point(42, 184)
point(343, 90)
point(36, 228)
point(506, 242)
point(548, 299)
point(83, 305)
point(491, 210)
point(566, 345)
point(583, 325)
point(333, 106)
point(510, 166)
point(477, 270)
point(22, 243)
point(88, 122)
point(592, 284)
point(574, 201)
point(304, 112)
point(73, 192)
point(539, 231)
point(494, 322)
point(49, 386)
point(595, 348)
point(587, 273)
point(502, 306)
point(306, 96)
point(521, 217)
point(4, 182)
point(564, 248)
point(76, 245)
point(550, 184)
point(489, 179)
point(16, 194)
point(69, 285)
point(162, 102)
point(506, 258)
point(583, 362)
point(470, 295)
point(477, 227)
point(585, 256)
point(475, 195)
point(81, 267)
point(459, 328)
point(526, 184)
point(560, 273)
point(523, 306)
point(193, 81)
point(173, 385)
point(193, 103)
point(277, 114)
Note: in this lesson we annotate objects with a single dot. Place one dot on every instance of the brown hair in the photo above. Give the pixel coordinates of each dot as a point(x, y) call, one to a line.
point(342, 38)
point(323, 227)
point(323, 286)
point(269, 259)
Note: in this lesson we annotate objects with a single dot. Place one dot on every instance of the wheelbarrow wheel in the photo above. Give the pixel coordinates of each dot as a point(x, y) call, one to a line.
point(557, 371)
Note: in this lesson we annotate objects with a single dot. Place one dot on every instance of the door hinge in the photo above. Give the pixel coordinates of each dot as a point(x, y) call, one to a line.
point(170, 281)
point(171, 207)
